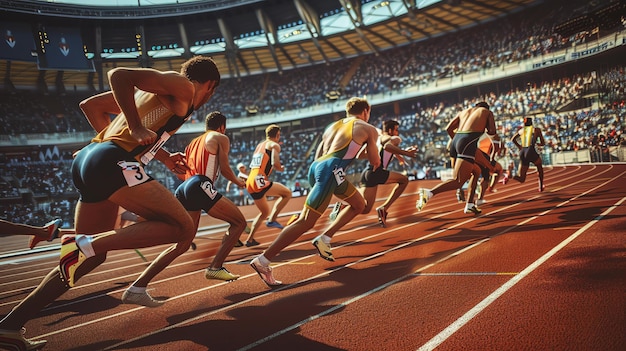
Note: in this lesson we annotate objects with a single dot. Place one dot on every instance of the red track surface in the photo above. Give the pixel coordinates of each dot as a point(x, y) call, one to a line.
point(536, 271)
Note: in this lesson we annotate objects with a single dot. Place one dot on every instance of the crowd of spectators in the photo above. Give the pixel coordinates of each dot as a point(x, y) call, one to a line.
point(36, 189)
point(516, 37)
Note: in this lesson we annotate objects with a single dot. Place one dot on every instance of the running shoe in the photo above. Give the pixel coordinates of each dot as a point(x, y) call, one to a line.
point(424, 196)
point(274, 224)
point(471, 208)
point(382, 216)
point(335, 212)
point(15, 340)
point(220, 274)
point(492, 179)
point(247, 230)
point(252, 242)
point(71, 259)
point(480, 202)
point(460, 195)
point(238, 243)
point(53, 233)
point(323, 249)
point(265, 273)
point(293, 218)
point(143, 299)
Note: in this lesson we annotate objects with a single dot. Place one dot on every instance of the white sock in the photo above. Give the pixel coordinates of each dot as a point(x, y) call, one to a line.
point(326, 239)
point(136, 289)
point(84, 244)
point(264, 261)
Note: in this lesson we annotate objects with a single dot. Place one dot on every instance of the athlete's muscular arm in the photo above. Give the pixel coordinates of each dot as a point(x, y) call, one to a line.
point(223, 144)
point(98, 110)
point(514, 140)
point(539, 135)
point(393, 146)
point(175, 161)
point(453, 125)
point(171, 85)
point(491, 124)
point(371, 136)
point(275, 158)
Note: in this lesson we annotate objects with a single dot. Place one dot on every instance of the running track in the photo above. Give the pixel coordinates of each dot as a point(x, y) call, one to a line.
point(535, 271)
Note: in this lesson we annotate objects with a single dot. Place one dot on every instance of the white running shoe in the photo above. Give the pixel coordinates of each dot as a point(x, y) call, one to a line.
point(265, 273)
point(471, 208)
point(143, 299)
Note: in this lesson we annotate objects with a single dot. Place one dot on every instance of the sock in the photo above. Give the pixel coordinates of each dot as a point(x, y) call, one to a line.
point(326, 239)
point(84, 244)
point(264, 261)
point(137, 289)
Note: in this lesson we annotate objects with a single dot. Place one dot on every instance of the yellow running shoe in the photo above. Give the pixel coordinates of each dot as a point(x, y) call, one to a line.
point(220, 274)
point(71, 259)
point(323, 249)
point(424, 196)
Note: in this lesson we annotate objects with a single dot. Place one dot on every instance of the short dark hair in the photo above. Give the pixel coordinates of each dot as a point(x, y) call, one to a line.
point(390, 124)
point(214, 120)
point(201, 69)
point(528, 121)
point(482, 104)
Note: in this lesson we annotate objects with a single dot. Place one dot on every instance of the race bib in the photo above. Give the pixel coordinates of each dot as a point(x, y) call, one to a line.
point(149, 155)
point(208, 189)
point(256, 160)
point(260, 181)
point(340, 175)
point(133, 173)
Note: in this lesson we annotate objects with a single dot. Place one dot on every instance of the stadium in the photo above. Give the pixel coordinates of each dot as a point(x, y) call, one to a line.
point(296, 63)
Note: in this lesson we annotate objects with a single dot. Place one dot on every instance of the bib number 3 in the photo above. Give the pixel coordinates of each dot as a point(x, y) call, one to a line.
point(133, 173)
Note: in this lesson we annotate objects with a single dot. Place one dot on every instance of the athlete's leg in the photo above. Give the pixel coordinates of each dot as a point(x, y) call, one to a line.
point(284, 195)
point(227, 211)
point(401, 182)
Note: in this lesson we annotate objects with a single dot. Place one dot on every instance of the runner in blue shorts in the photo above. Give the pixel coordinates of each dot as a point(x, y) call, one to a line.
point(340, 145)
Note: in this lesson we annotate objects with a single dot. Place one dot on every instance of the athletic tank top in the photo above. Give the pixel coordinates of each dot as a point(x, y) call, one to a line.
point(350, 149)
point(385, 156)
point(153, 115)
point(527, 136)
point(200, 161)
point(261, 164)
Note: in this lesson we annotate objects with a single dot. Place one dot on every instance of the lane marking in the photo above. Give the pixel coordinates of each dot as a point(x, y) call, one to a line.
point(364, 218)
point(456, 325)
point(448, 274)
point(225, 308)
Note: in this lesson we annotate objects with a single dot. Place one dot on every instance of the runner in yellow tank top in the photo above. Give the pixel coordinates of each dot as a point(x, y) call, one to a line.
point(526, 139)
point(340, 144)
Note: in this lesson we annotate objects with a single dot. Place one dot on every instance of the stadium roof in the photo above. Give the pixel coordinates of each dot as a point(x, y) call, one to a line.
point(255, 36)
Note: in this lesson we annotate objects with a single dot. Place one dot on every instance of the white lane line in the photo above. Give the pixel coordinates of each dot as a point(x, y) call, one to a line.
point(454, 327)
point(286, 286)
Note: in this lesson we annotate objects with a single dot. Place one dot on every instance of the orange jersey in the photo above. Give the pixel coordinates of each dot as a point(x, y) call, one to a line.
point(260, 168)
point(490, 147)
point(201, 161)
